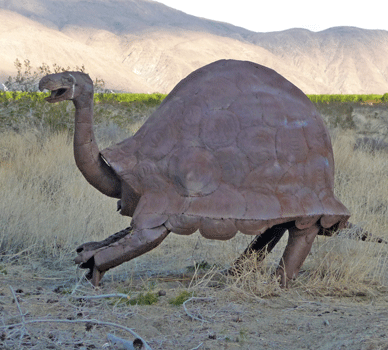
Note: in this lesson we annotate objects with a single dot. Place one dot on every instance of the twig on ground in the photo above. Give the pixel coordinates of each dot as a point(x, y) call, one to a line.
point(197, 347)
point(79, 281)
point(200, 318)
point(97, 322)
point(102, 296)
point(20, 312)
point(17, 303)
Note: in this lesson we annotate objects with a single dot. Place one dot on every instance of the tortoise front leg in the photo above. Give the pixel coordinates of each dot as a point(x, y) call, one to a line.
point(298, 247)
point(117, 250)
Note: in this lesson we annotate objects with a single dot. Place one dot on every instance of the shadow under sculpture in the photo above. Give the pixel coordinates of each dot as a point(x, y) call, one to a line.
point(233, 147)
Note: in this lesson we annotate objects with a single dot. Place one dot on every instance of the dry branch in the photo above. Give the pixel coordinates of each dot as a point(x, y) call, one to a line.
point(200, 318)
point(102, 296)
point(91, 321)
point(94, 322)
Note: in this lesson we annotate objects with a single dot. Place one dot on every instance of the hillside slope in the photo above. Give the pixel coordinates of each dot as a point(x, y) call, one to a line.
point(145, 46)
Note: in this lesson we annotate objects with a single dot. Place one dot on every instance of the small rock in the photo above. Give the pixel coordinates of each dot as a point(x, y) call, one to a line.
point(51, 301)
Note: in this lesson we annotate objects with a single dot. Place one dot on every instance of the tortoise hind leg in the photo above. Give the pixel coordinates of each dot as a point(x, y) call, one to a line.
point(298, 247)
point(262, 244)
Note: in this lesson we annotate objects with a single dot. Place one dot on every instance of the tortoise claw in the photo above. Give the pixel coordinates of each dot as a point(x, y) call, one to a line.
point(94, 275)
point(85, 260)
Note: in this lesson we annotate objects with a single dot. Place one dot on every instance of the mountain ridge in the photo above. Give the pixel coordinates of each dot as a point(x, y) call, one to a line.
point(145, 46)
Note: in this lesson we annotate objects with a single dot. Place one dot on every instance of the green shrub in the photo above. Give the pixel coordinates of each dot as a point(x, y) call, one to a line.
point(148, 298)
point(3, 270)
point(181, 298)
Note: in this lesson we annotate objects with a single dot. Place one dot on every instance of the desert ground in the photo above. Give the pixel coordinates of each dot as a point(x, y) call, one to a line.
point(178, 296)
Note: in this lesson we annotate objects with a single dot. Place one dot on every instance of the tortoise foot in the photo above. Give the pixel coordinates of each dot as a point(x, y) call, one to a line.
point(87, 251)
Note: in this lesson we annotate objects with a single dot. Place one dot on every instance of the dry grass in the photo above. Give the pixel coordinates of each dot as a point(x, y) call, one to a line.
point(47, 209)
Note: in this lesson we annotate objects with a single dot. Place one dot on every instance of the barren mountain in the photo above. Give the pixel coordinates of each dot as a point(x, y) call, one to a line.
point(145, 46)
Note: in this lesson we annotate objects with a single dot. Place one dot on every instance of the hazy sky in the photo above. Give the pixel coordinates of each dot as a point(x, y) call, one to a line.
point(268, 15)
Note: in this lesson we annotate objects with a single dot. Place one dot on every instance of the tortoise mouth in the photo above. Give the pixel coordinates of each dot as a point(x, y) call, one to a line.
point(57, 95)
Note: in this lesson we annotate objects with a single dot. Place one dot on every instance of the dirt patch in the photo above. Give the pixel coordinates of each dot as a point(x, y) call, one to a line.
point(214, 315)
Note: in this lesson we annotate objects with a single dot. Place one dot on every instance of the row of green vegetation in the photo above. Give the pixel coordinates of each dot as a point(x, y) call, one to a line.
point(23, 110)
point(23, 107)
point(151, 100)
point(156, 98)
point(371, 98)
point(147, 99)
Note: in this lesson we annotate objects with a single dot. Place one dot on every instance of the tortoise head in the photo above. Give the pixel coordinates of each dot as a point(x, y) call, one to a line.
point(66, 86)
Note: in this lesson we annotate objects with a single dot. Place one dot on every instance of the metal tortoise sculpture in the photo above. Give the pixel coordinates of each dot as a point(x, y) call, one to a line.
point(233, 147)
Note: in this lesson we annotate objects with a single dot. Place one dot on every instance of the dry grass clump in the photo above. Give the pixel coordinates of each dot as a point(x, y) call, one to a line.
point(336, 266)
point(343, 267)
point(255, 280)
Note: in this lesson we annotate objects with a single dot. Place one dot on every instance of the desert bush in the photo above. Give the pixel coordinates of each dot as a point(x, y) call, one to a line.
point(371, 145)
point(27, 77)
point(337, 115)
point(384, 98)
point(22, 111)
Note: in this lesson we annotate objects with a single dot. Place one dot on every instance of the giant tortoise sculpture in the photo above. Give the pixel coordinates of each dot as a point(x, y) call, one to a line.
point(233, 147)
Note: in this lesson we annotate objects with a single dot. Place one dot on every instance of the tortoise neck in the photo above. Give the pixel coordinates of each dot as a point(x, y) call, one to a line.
point(86, 152)
point(84, 101)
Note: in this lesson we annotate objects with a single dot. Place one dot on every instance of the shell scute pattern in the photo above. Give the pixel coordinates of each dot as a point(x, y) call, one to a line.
point(234, 165)
point(234, 146)
point(219, 129)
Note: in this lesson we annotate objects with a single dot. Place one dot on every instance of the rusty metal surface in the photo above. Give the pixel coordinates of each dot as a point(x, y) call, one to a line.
point(234, 146)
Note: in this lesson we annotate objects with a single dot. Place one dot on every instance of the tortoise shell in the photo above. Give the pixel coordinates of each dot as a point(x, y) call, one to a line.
point(234, 146)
